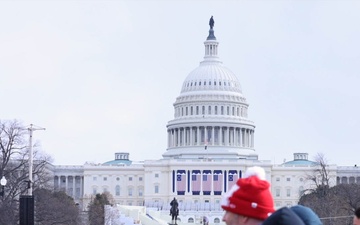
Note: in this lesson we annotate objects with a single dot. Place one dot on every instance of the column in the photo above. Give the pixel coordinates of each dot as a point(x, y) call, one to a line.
point(169, 138)
point(240, 133)
point(174, 137)
point(198, 136)
point(184, 136)
point(235, 136)
point(178, 137)
point(243, 137)
point(247, 137)
point(220, 135)
point(213, 136)
point(205, 135)
point(252, 138)
point(191, 136)
point(228, 136)
point(74, 192)
point(81, 186)
point(66, 185)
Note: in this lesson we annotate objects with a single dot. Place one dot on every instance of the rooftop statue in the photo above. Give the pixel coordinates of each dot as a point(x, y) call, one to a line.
point(211, 22)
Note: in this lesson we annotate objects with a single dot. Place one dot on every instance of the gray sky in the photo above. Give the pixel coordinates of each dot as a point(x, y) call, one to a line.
point(101, 76)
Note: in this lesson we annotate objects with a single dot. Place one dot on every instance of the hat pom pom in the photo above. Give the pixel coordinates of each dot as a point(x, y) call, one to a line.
point(255, 171)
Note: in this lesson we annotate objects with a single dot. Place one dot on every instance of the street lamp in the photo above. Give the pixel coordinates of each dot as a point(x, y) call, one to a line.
point(3, 182)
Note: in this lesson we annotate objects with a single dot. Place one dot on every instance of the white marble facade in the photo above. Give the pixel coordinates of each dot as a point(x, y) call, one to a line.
point(210, 143)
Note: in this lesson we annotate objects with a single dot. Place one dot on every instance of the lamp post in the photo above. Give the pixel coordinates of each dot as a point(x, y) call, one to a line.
point(27, 201)
point(3, 182)
point(30, 184)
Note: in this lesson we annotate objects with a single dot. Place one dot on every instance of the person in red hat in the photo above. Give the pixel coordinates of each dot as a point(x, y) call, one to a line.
point(356, 218)
point(249, 201)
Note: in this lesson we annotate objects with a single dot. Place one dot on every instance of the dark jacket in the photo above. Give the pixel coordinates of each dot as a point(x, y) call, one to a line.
point(283, 216)
point(306, 214)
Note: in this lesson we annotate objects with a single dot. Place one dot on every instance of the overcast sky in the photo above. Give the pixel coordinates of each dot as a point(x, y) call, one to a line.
point(101, 76)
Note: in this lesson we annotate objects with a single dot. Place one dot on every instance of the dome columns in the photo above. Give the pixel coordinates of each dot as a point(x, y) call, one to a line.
point(192, 136)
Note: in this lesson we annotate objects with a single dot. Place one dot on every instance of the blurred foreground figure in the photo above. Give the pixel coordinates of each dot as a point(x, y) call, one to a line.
point(296, 215)
point(356, 219)
point(249, 201)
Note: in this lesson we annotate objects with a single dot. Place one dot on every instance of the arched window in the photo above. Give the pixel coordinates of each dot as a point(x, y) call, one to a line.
point(141, 191)
point(191, 220)
point(130, 191)
point(117, 190)
point(216, 220)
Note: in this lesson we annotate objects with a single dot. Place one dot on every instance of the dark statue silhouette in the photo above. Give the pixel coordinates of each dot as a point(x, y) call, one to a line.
point(174, 211)
point(211, 22)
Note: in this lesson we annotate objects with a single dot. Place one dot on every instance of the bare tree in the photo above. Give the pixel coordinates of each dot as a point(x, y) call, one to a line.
point(55, 208)
point(320, 176)
point(14, 165)
point(333, 204)
point(337, 206)
point(97, 208)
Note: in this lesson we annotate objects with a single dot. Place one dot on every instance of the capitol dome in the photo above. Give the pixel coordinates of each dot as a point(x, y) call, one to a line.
point(211, 113)
point(211, 76)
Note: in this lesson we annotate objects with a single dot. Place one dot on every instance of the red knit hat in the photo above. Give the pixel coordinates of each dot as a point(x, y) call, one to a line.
point(250, 196)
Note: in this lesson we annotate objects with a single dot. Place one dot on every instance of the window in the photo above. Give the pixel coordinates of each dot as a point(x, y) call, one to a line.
point(216, 220)
point(288, 179)
point(104, 189)
point(156, 175)
point(94, 178)
point(105, 178)
point(191, 110)
point(156, 189)
point(190, 220)
point(216, 112)
point(186, 110)
point(117, 190)
point(118, 178)
point(94, 191)
point(222, 110)
point(197, 110)
point(130, 178)
point(228, 110)
point(140, 178)
point(209, 110)
point(301, 191)
point(278, 179)
point(130, 191)
point(203, 110)
point(277, 192)
point(140, 192)
point(288, 192)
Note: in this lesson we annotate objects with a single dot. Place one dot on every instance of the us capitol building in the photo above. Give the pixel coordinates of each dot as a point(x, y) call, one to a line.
point(210, 143)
